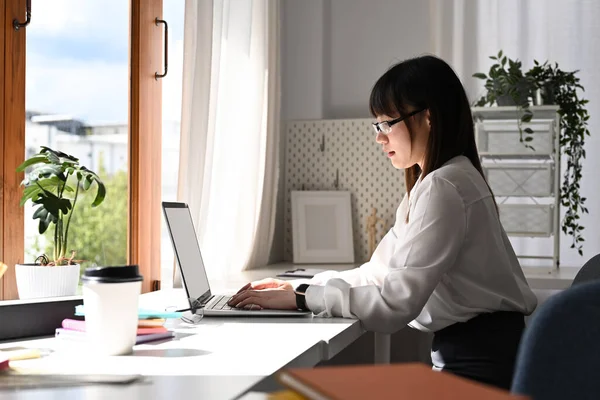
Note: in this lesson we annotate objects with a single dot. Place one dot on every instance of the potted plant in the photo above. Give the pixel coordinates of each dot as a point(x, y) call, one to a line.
point(507, 85)
point(54, 183)
point(548, 84)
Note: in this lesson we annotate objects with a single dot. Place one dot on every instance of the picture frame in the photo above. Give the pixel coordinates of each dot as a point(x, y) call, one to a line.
point(322, 227)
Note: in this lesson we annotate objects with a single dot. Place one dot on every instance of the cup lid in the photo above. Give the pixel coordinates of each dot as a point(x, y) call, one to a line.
point(117, 274)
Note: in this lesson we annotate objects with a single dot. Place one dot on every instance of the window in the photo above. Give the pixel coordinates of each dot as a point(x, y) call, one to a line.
point(87, 111)
point(76, 101)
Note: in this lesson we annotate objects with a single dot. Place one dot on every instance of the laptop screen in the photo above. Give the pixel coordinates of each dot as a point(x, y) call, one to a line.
point(187, 249)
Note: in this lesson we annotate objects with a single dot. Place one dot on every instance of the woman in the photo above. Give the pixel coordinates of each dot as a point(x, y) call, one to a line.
point(446, 266)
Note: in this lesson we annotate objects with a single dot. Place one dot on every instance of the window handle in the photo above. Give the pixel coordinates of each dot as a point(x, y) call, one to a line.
point(158, 22)
point(18, 25)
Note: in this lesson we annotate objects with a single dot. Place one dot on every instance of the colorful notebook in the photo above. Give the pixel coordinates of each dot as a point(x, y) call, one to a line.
point(4, 362)
point(68, 334)
point(142, 313)
point(142, 323)
point(75, 325)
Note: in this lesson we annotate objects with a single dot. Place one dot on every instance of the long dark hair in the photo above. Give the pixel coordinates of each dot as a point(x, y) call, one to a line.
point(428, 82)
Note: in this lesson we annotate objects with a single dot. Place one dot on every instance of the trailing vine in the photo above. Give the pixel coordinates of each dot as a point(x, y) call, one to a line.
point(562, 87)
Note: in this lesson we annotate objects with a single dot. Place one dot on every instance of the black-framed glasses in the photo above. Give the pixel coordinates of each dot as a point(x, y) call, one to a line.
point(385, 127)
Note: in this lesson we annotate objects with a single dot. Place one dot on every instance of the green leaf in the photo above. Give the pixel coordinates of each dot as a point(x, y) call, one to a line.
point(500, 54)
point(87, 182)
point(45, 217)
point(526, 118)
point(53, 158)
point(528, 130)
point(38, 158)
point(100, 195)
point(528, 139)
point(480, 75)
point(31, 192)
point(53, 204)
point(59, 154)
point(48, 170)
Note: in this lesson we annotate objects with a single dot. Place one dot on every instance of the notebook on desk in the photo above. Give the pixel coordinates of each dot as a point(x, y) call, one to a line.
point(300, 273)
point(193, 273)
point(392, 381)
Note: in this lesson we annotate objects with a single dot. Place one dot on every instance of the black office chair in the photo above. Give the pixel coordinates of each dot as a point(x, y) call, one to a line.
point(589, 272)
point(559, 352)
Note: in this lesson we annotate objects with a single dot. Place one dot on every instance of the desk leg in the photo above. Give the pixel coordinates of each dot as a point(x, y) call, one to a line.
point(383, 348)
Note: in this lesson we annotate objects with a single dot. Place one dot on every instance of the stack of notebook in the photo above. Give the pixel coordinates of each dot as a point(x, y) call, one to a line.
point(148, 330)
point(150, 326)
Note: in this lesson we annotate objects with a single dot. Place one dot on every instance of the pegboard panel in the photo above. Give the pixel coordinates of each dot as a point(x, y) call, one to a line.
point(351, 156)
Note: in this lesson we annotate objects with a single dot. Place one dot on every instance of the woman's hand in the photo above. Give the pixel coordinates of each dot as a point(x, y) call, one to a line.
point(266, 293)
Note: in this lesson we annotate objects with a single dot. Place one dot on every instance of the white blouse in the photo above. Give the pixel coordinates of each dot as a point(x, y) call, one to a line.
point(449, 263)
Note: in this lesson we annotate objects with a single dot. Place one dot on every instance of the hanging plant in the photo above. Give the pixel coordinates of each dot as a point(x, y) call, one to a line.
point(561, 88)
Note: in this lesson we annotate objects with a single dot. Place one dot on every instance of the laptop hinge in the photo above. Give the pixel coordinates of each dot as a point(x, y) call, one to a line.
point(196, 304)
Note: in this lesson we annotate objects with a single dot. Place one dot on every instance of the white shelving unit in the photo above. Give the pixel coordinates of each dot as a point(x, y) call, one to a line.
point(525, 182)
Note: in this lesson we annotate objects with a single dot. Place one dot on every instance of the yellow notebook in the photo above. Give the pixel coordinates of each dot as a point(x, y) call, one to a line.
point(142, 323)
point(285, 395)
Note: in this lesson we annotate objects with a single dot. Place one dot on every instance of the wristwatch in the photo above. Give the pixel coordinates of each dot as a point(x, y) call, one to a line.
point(300, 297)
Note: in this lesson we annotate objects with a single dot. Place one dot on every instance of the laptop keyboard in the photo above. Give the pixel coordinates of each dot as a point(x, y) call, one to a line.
point(220, 303)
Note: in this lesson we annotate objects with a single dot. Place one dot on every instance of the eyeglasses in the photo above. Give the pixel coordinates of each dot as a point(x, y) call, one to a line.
point(385, 127)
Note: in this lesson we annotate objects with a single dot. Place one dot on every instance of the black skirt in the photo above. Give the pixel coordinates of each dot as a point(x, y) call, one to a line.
point(483, 349)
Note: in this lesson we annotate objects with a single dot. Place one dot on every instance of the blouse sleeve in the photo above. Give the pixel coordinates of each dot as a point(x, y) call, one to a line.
point(433, 239)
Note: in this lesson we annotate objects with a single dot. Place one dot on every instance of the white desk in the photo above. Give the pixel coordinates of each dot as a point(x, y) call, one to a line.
point(201, 358)
point(538, 278)
point(542, 279)
point(220, 358)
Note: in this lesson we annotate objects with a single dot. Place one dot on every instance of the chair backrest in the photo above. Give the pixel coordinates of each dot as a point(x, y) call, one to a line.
point(560, 350)
point(590, 271)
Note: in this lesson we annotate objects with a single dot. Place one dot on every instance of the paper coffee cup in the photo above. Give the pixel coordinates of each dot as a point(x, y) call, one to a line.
point(110, 300)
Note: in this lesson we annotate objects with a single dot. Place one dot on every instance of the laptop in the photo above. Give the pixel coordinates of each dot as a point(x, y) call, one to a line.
point(193, 273)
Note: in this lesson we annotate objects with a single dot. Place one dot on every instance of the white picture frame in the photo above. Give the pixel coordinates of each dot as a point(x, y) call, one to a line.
point(322, 227)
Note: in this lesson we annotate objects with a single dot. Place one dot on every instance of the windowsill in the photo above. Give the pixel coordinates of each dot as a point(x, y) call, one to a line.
point(39, 300)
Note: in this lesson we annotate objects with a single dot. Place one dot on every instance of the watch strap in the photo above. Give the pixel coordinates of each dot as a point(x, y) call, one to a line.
point(301, 297)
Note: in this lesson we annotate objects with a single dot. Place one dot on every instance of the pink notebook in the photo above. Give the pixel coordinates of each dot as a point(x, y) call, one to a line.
point(75, 325)
point(4, 363)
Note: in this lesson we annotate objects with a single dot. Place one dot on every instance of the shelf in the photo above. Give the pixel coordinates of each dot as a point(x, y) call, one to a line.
point(501, 137)
point(520, 180)
point(530, 220)
point(512, 112)
point(525, 181)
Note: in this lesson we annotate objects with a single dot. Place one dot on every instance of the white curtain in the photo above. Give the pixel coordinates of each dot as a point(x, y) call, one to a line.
point(229, 163)
point(466, 32)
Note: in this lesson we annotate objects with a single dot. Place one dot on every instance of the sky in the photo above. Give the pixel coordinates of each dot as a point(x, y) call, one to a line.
point(77, 53)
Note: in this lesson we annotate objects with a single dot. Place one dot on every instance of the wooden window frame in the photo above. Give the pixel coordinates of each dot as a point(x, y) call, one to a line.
point(145, 140)
point(145, 132)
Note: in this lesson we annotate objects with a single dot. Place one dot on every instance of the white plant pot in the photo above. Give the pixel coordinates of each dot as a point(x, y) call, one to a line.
point(35, 281)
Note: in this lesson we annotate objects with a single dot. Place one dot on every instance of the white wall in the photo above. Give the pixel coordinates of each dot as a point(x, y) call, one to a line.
point(333, 51)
